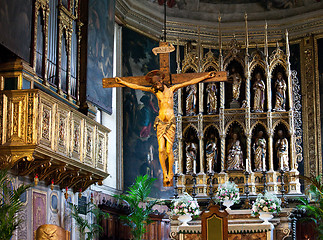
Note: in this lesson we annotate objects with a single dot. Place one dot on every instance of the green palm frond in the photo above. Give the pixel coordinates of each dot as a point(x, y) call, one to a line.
point(314, 210)
point(140, 207)
point(10, 206)
point(90, 230)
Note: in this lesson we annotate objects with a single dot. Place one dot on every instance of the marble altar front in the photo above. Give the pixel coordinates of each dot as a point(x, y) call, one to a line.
point(242, 225)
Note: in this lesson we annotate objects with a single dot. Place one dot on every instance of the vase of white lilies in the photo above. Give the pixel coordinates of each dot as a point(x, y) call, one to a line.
point(265, 206)
point(228, 194)
point(185, 207)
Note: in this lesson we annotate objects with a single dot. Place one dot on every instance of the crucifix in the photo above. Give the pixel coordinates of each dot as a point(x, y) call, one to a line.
point(163, 84)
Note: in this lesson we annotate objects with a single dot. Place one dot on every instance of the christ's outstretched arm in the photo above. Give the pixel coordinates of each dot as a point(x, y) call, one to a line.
point(134, 86)
point(194, 81)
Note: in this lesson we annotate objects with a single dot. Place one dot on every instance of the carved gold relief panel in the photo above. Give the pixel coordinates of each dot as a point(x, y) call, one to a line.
point(89, 146)
point(76, 138)
point(46, 123)
point(101, 150)
point(16, 119)
point(62, 133)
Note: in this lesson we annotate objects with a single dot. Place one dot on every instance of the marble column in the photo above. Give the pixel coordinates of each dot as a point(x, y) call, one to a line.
point(270, 151)
point(222, 137)
point(248, 155)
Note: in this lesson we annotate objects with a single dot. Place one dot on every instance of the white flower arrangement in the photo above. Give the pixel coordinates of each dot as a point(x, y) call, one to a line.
point(228, 191)
point(266, 203)
point(185, 204)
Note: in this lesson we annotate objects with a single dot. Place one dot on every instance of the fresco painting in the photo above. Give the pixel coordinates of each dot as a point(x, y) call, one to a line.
point(140, 146)
point(100, 52)
point(15, 21)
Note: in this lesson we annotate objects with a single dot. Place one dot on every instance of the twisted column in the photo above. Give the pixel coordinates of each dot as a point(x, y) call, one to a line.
point(222, 137)
point(270, 151)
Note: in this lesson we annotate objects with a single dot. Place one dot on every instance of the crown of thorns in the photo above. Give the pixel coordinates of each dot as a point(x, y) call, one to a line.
point(153, 73)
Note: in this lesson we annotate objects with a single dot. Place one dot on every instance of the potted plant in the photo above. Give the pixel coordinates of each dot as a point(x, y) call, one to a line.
point(186, 207)
point(228, 194)
point(314, 208)
point(87, 229)
point(139, 204)
point(265, 205)
point(10, 206)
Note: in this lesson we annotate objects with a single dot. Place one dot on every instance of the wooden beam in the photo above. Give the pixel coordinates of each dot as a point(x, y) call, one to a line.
point(175, 78)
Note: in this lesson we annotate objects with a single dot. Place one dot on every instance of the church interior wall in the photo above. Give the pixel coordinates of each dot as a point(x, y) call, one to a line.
point(132, 148)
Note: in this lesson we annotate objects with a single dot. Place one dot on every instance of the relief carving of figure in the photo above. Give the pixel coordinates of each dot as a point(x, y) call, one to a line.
point(212, 100)
point(259, 94)
point(236, 84)
point(282, 151)
point(235, 154)
point(191, 154)
point(280, 86)
point(259, 148)
point(211, 151)
point(191, 92)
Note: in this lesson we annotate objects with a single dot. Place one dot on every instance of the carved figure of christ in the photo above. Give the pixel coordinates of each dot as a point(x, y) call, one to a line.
point(165, 123)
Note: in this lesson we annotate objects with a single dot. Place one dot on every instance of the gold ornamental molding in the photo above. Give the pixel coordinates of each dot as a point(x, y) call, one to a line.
point(41, 136)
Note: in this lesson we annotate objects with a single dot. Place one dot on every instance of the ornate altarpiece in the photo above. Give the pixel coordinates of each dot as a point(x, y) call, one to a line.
point(241, 118)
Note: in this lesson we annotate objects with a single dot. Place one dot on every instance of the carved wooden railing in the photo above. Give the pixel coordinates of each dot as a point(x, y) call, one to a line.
point(44, 137)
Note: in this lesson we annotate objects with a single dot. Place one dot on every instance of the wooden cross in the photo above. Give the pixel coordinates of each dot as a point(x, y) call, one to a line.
point(165, 68)
point(165, 123)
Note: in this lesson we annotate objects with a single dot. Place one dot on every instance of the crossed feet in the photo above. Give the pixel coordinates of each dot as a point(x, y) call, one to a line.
point(168, 180)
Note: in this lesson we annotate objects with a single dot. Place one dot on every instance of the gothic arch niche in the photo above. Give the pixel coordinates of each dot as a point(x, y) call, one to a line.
point(191, 96)
point(235, 92)
point(258, 140)
point(211, 95)
point(212, 149)
point(235, 142)
point(258, 89)
point(279, 88)
point(191, 150)
point(281, 132)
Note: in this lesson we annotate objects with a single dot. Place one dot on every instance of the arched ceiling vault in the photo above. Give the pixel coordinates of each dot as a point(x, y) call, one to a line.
point(146, 16)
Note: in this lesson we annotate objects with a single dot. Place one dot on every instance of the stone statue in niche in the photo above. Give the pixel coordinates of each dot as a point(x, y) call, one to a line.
point(212, 100)
point(191, 154)
point(235, 154)
point(282, 151)
point(191, 92)
point(280, 86)
point(236, 79)
point(211, 152)
point(259, 148)
point(259, 94)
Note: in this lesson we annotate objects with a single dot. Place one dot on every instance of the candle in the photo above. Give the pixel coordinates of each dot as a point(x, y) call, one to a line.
point(264, 165)
point(194, 166)
point(176, 167)
point(210, 166)
point(247, 165)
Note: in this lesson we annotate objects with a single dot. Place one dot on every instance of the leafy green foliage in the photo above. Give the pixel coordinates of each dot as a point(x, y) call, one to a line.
point(10, 206)
point(86, 228)
point(314, 210)
point(140, 207)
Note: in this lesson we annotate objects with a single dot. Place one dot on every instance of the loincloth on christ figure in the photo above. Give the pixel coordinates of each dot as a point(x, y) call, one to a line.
point(165, 129)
